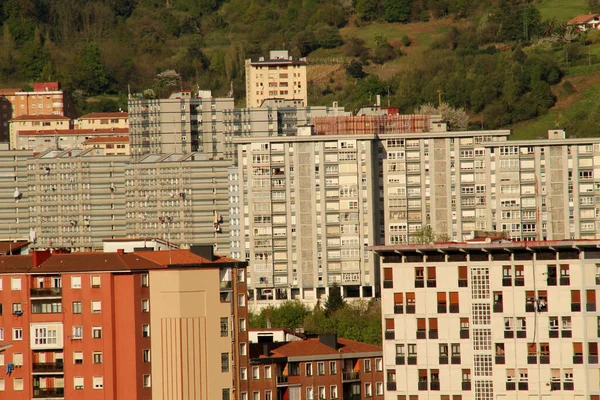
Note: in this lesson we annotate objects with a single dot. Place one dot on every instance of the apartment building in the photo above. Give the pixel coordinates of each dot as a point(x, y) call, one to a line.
point(47, 98)
point(114, 140)
point(40, 124)
point(491, 319)
point(103, 120)
point(122, 326)
point(325, 367)
point(185, 122)
point(278, 77)
point(111, 145)
point(305, 207)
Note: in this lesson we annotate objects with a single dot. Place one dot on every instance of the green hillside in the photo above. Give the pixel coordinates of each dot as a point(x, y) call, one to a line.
point(509, 63)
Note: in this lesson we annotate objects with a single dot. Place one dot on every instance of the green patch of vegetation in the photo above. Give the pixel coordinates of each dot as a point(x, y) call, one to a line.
point(562, 10)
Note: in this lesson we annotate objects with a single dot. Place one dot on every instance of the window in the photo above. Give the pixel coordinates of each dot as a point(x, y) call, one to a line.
point(17, 309)
point(255, 395)
point(145, 280)
point(145, 305)
point(332, 367)
point(368, 389)
point(44, 336)
point(242, 325)
point(1, 334)
point(378, 364)
point(97, 357)
point(75, 282)
point(145, 330)
point(78, 357)
point(267, 372)
point(224, 362)
point(78, 382)
point(76, 307)
point(333, 392)
point(321, 368)
point(244, 373)
point(321, 393)
point(310, 392)
point(18, 384)
point(2, 385)
point(146, 355)
point(96, 307)
point(367, 365)
point(146, 381)
point(98, 382)
point(15, 283)
point(17, 333)
point(255, 373)
point(243, 349)
point(309, 369)
point(224, 326)
point(241, 300)
point(95, 281)
point(379, 388)
point(77, 332)
point(18, 359)
point(97, 332)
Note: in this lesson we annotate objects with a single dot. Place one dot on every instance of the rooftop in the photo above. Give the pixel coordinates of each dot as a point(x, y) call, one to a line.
point(8, 246)
point(41, 117)
point(489, 244)
point(314, 347)
point(582, 19)
point(101, 115)
point(76, 132)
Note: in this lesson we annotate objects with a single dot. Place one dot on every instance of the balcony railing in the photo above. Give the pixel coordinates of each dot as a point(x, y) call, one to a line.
point(431, 283)
point(282, 380)
point(434, 385)
point(498, 307)
point(590, 306)
point(545, 359)
point(398, 309)
point(399, 360)
point(44, 393)
point(566, 333)
point(391, 386)
point(48, 367)
point(523, 385)
point(390, 335)
point(519, 281)
point(551, 281)
point(565, 281)
point(388, 284)
point(511, 385)
point(419, 283)
point(507, 281)
point(531, 359)
point(455, 360)
point(553, 333)
point(46, 292)
point(443, 360)
point(441, 308)
point(521, 334)
point(410, 309)
point(421, 334)
point(575, 307)
point(422, 385)
point(593, 359)
point(500, 359)
point(509, 334)
point(578, 359)
point(568, 386)
point(464, 333)
point(462, 283)
point(350, 376)
point(454, 309)
point(411, 360)
point(433, 334)
point(466, 385)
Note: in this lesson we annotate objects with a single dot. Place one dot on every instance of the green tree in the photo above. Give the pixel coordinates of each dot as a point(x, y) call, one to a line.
point(328, 36)
point(426, 235)
point(334, 300)
point(34, 56)
point(89, 73)
point(289, 314)
point(355, 69)
point(397, 10)
point(367, 10)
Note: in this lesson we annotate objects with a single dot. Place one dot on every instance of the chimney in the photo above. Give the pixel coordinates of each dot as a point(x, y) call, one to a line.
point(328, 339)
point(39, 256)
point(121, 251)
point(204, 251)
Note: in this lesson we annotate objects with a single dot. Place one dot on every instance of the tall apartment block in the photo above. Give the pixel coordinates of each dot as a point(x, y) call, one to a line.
point(185, 122)
point(47, 98)
point(152, 324)
point(278, 77)
point(491, 319)
point(308, 206)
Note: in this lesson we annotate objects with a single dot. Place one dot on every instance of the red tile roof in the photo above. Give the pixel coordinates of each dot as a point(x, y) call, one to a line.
point(180, 257)
point(9, 91)
point(313, 347)
point(108, 139)
point(101, 115)
point(98, 131)
point(10, 246)
point(40, 117)
point(582, 19)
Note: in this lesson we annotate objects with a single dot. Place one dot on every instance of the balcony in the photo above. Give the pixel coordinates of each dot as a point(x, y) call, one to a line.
point(545, 359)
point(410, 309)
point(398, 309)
point(521, 334)
point(462, 283)
point(419, 283)
point(593, 359)
point(529, 307)
point(500, 359)
point(400, 360)
point(590, 306)
point(554, 386)
point(455, 360)
point(454, 309)
point(431, 283)
point(226, 285)
point(388, 284)
point(551, 281)
point(350, 376)
point(568, 386)
point(566, 333)
point(531, 359)
point(464, 333)
point(441, 308)
point(45, 393)
point(575, 307)
point(46, 292)
point(578, 359)
point(390, 335)
point(282, 380)
point(433, 334)
point(519, 281)
point(565, 281)
point(422, 385)
point(443, 360)
point(523, 386)
point(498, 307)
point(510, 386)
point(421, 334)
point(434, 385)
point(509, 334)
point(47, 367)
point(466, 385)
point(411, 360)
point(391, 386)
point(553, 334)
point(507, 281)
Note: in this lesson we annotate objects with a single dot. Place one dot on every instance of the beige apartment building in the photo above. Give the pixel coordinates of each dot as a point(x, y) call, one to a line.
point(43, 124)
point(278, 77)
point(40, 141)
point(111, 145)
point(491, 319)
point(185, 122)
point(103, 120)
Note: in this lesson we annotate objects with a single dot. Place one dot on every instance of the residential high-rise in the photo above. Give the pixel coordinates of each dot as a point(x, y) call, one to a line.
point(491, 318)
point(185, 122)
point(278, 77)
point(150, 324)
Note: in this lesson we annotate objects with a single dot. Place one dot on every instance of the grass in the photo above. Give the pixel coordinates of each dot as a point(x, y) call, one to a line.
point(538, 127)
point(562, 10)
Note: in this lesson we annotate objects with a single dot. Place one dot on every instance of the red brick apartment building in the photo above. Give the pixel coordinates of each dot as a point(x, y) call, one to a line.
point(142, 325)
point(322, 368)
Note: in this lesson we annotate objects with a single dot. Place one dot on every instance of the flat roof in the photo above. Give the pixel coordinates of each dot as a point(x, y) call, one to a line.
point(482, 244)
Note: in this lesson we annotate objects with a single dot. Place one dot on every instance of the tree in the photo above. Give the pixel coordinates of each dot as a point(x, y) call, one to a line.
point(334, 300)
point(457, 118)
point(355, 47)
point(355, 69)
point(397, 10)
point(367, 10)
point(426, 235)
point(328, 36)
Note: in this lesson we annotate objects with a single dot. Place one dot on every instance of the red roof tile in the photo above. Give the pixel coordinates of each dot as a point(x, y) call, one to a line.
point(180, 257)
point(9, 246)
point(76, 132)
point(39, 117)
point(121, 114)
point(582, 19)
point(313, 347)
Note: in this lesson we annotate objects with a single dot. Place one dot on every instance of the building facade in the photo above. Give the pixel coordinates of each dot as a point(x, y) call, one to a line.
point(103, 120)
point(279, 77)
point(324, 368)
point(111, 325)
point(36, 124)
point(491, 319)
